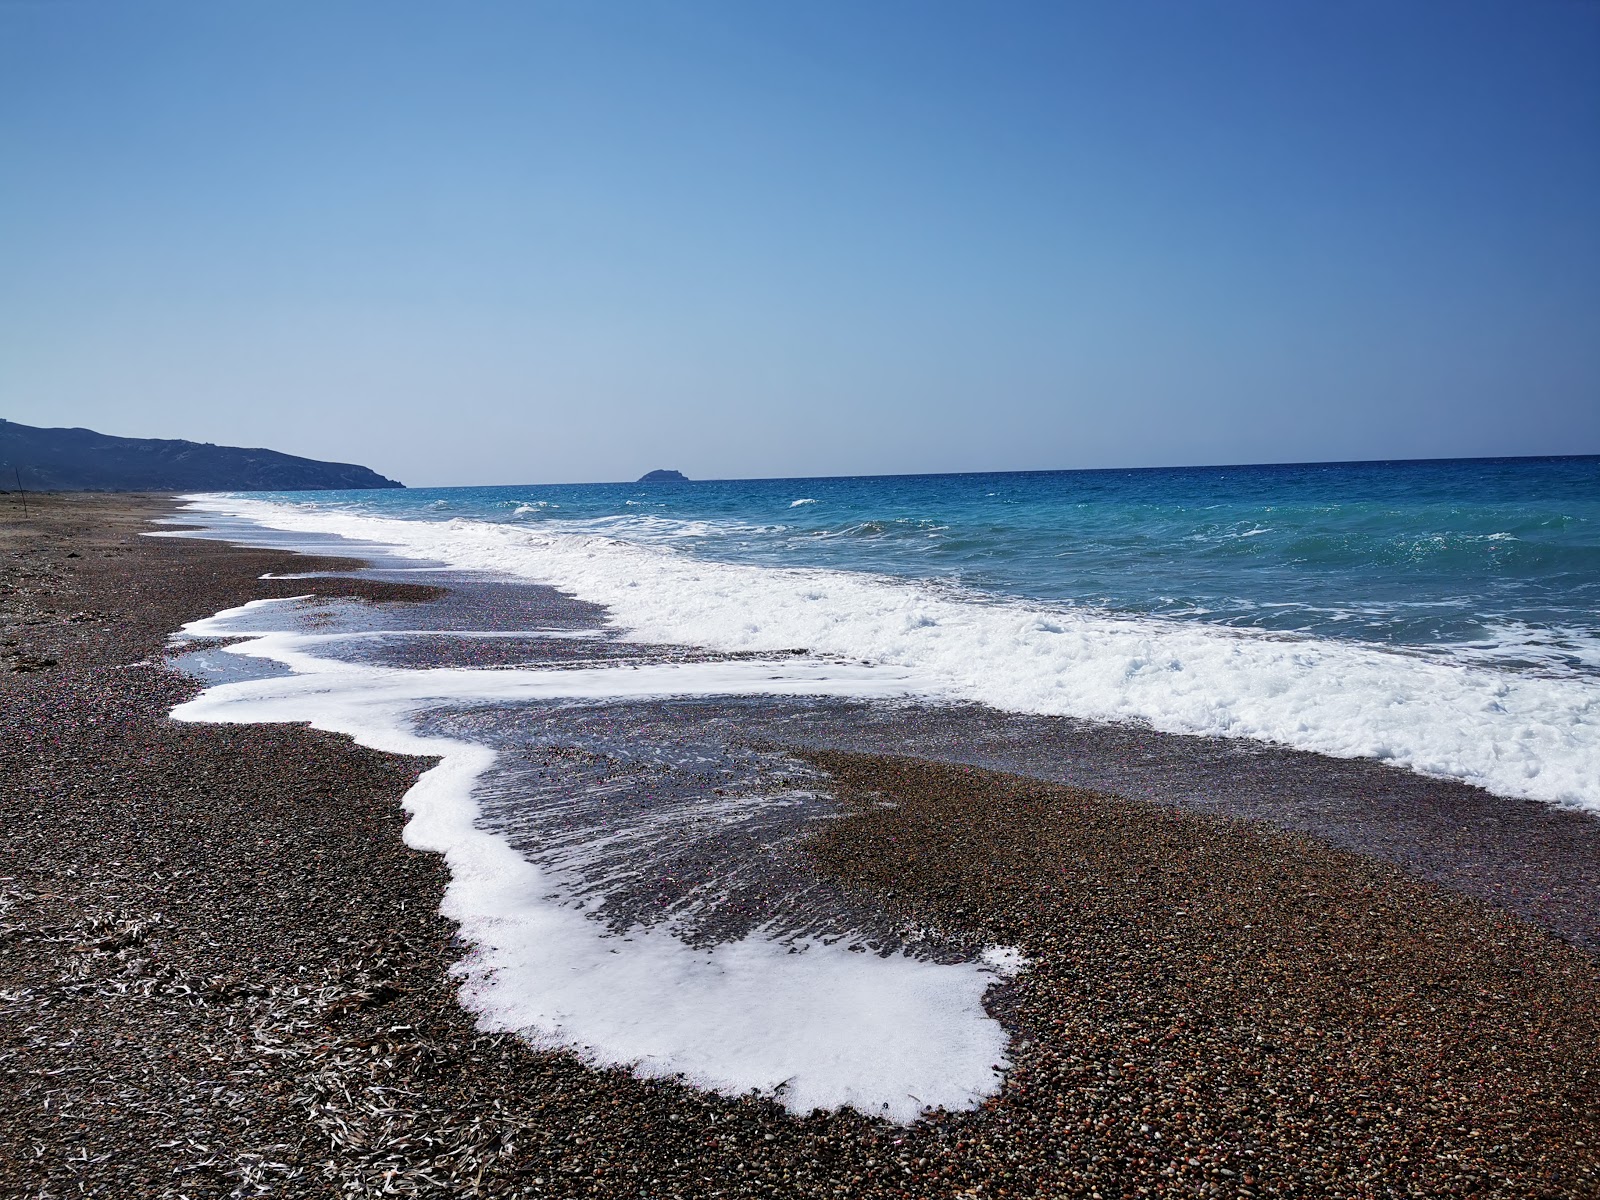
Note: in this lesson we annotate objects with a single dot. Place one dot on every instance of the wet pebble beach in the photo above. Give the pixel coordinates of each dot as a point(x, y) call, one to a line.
point(223, 973)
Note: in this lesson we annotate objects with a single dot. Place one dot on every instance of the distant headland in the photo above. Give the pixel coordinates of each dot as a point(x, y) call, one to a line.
point(81, 460)
point(663, 477)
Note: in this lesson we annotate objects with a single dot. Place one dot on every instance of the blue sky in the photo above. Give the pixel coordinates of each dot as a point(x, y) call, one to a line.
point(524, 242)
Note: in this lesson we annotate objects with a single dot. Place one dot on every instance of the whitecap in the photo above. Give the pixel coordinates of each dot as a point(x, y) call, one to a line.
point(1341, 698)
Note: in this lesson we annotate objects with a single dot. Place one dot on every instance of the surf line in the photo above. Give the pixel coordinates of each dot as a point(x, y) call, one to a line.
point(1517, 734)
point(811, 1024)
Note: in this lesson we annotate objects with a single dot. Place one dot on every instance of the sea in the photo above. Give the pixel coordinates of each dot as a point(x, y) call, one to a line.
point(1442, 616)
point(1401, 658)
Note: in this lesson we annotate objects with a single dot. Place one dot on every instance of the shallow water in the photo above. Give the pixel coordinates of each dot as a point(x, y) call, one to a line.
point(1440, 617)
point(625, 865)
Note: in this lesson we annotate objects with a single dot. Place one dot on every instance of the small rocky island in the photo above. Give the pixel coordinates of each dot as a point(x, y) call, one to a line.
point(663, 477)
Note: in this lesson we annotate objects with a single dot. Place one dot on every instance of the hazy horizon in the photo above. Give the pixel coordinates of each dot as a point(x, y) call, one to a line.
point(568, 243)
point(1111, 467)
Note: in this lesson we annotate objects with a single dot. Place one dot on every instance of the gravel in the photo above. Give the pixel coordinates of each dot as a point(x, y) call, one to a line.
point(222, 974)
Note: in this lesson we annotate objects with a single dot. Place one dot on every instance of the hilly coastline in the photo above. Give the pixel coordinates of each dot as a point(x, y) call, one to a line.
point(59, 460)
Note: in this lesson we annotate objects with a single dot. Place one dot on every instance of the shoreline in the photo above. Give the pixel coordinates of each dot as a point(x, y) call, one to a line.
point(298, 969)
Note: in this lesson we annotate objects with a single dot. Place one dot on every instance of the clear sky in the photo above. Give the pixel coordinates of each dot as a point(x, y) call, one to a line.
point(483, 242)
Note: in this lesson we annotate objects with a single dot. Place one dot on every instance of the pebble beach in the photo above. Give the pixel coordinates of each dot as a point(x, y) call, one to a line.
point(223, 973)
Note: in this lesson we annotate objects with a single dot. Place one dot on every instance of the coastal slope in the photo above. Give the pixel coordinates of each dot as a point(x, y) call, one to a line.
point(57, 460)
point(224, 973)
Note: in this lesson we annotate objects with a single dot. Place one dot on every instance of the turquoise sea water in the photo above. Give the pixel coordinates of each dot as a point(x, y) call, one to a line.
point(1443, 617)
point(1494, 560)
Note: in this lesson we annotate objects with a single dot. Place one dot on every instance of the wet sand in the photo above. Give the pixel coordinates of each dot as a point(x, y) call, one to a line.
point(221, 971)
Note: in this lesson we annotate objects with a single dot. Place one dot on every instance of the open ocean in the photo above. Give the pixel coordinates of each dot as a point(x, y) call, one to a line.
point(1441, 616)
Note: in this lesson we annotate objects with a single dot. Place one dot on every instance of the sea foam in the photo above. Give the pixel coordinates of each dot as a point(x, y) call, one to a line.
point(1517, 734)
point(812, 1024)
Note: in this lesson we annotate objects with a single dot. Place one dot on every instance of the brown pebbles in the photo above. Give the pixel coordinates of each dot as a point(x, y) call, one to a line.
point(1210, 1002)
point(222, 973)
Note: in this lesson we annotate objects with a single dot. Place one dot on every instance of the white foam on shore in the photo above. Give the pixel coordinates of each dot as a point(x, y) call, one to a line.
point(814, 1024)
point(1514, 733)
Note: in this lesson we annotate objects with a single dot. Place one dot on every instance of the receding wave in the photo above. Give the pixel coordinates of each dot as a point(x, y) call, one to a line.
point(803, 1019)
point(1516, 733)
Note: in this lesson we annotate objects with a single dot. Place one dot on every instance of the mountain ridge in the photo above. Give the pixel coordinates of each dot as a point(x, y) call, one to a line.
point(82, 460)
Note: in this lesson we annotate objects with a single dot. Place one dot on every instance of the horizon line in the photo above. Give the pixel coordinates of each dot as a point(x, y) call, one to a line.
point(1343, 462)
